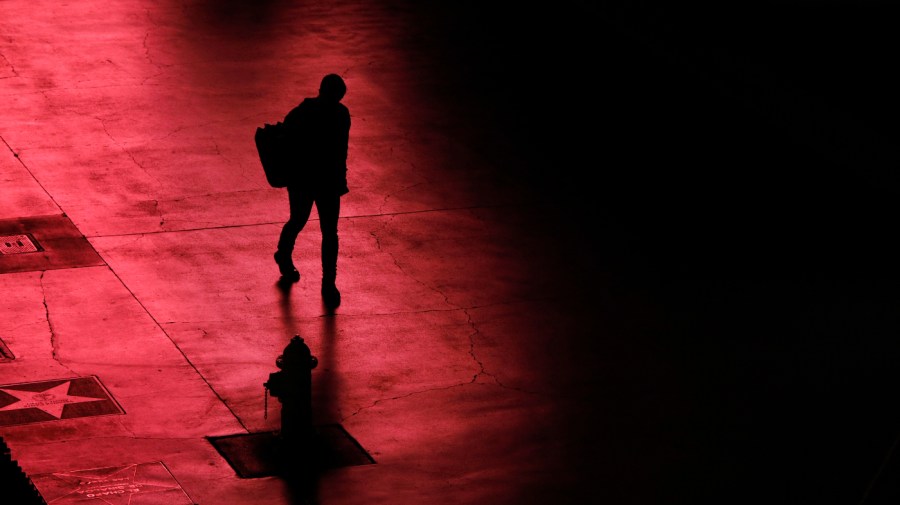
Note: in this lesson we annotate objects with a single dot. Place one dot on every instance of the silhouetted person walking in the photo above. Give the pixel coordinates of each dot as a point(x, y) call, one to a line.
point(321, 128)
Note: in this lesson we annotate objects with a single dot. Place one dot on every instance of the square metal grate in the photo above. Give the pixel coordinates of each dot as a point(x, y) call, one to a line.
point(254, 455)
point(18, 244)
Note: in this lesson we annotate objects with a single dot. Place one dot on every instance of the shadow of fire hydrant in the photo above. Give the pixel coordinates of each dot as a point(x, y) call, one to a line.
point(292, 385)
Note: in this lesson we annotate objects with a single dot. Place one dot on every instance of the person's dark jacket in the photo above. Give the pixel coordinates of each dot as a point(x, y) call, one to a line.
point(322, 130)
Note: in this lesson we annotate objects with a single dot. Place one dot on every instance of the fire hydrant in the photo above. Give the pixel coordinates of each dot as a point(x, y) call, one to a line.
point(292, 385)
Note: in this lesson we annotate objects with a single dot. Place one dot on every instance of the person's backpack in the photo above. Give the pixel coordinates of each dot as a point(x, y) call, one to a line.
point(275, 153)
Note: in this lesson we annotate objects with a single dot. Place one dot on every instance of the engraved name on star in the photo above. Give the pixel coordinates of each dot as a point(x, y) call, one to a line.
point(51, 401)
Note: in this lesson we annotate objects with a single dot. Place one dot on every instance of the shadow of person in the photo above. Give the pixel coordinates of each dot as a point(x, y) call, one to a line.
point(325, 413)
point(284, 285)
point(301, 478)
point(286, 305)
point(302, 465)
point(296, 445)
point(326, 383)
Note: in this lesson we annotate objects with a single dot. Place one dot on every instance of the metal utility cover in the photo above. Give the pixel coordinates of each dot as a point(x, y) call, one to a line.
point(56, 240)
point(18, 244)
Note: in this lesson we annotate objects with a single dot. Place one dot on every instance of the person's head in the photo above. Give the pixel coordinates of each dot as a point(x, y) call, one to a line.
point(332, 87)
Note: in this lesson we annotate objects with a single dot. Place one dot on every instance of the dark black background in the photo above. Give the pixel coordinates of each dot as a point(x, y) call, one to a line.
point(737, 127)
point(733, 167)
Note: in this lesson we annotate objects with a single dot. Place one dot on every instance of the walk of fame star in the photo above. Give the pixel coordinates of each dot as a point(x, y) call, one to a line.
point(51, 400)
point(144, 483)
point(55, 399)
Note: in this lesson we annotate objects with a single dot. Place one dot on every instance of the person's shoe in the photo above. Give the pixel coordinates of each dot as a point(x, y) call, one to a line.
point(330, 295)
point(286, 267)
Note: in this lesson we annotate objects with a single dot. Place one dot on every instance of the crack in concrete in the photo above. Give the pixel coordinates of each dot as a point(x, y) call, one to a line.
point(400, 397)
point(159, 212)
point(121, 68)
point(54, 339)
point(243, 169)
point(54, 344)
point(388, 196)
point(374, 234)
point(430, 390)
point(138, 164)
point(122, 147)
point(482, 372)
point(400, 267)
point(181, 351)
point(11, 67)
point(472, 335)
point(146, 46)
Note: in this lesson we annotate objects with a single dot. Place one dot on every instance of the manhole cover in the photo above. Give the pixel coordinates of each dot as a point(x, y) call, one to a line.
point(18, 244)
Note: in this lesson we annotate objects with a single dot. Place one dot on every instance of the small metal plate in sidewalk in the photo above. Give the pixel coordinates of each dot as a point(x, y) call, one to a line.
point(255, 455)
point(19, 244)
point(29, 244)
point(148, 483)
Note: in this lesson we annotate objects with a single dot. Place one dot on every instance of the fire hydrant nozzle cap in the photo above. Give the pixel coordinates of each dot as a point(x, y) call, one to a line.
point(296, 354)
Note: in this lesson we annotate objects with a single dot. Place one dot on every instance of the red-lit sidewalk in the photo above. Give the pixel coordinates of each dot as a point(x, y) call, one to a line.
point(141, 313)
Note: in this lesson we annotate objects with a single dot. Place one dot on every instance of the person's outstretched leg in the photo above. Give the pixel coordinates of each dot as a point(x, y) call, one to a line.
point(301, 206)
point(329, 209)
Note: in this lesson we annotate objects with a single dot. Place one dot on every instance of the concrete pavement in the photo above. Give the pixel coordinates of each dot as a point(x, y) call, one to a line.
point(577, 266)
point(133, 124)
